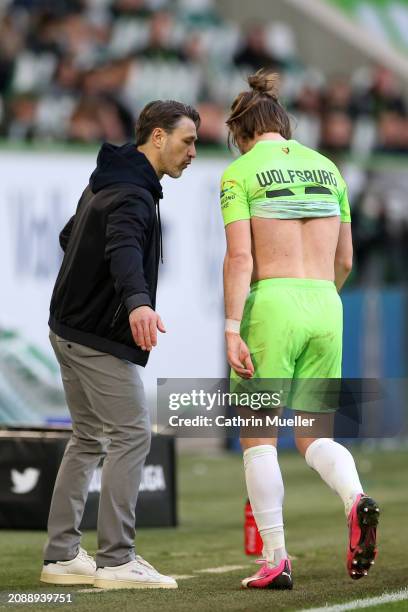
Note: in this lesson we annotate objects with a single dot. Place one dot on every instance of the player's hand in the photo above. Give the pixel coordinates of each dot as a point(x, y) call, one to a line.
point(144, 323)
point(238, 355)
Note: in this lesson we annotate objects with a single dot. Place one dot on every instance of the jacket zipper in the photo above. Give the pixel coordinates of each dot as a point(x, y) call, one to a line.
point(116, 315)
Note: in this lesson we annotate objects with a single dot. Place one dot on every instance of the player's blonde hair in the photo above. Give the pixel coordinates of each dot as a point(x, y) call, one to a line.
point(258, 111)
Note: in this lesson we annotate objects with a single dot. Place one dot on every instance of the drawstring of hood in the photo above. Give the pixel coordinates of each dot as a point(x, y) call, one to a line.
point(160, 230)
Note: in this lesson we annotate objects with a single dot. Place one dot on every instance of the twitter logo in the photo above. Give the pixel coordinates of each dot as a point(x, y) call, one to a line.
point(24, 482)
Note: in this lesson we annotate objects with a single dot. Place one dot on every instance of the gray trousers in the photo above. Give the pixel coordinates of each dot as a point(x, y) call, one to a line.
point(110, 419)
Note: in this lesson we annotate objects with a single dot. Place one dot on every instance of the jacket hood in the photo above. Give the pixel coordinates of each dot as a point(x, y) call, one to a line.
point(124, 164)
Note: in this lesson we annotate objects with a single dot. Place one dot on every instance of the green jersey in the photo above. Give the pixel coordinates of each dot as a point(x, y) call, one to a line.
point(282, 179)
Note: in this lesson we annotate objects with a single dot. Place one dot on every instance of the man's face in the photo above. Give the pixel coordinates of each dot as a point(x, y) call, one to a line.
point(177, 149)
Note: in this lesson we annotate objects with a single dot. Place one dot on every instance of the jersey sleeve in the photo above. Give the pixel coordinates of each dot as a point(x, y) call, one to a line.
point(234, 200)
point(345, 216)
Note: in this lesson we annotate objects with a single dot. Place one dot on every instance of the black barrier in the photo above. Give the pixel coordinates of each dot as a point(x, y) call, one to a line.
point(29, 462)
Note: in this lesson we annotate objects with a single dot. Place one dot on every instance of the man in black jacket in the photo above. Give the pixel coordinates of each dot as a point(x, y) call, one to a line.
point(102, 325)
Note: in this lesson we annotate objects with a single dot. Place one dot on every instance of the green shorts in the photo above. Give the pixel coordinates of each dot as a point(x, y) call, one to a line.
point(293, 328)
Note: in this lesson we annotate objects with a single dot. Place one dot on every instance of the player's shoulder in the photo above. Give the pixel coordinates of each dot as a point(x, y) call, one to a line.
point(323, 159)
point(237, 169)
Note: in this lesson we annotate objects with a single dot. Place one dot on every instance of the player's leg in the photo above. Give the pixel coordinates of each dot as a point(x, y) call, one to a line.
point(264, 329)
point(266, 492)
point(336, 466)
point(321, 360)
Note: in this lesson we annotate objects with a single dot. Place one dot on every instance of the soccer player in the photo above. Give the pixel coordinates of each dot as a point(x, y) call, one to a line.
point(288, 234)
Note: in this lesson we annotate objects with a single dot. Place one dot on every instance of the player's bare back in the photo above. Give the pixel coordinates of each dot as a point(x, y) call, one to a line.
point(294, 248)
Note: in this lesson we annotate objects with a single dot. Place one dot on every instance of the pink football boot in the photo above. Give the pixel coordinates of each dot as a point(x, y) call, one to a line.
point(268, 577)
point(362, 551)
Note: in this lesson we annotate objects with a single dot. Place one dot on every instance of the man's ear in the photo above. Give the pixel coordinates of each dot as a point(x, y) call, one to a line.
point(158, 137)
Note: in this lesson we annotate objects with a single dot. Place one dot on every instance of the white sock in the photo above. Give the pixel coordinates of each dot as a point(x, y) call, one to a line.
point(265, 491)
point(336, 466)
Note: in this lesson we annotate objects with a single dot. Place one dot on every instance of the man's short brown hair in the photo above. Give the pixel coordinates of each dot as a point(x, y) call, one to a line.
point(163, 114)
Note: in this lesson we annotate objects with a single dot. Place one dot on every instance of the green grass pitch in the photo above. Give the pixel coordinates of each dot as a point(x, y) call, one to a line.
point(210, 535)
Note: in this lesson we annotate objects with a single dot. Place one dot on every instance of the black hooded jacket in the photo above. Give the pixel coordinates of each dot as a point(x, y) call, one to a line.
point(112, 248)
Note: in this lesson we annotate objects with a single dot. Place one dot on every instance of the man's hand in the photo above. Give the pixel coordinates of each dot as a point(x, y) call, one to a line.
point(144, 323)
point(238, 355)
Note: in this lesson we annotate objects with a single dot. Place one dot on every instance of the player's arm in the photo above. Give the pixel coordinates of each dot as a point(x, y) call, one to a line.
point(343, 259)
point(237, 268)
point(237, 277)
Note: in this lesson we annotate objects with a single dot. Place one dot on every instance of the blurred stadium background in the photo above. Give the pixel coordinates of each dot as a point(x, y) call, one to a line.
point(74, 73)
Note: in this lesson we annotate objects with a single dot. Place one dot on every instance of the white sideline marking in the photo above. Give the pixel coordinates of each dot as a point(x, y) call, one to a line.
point(358, 604)
point(221, 570)
point(183, 576)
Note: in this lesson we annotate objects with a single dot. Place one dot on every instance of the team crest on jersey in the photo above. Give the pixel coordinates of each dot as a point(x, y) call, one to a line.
point(286, 150)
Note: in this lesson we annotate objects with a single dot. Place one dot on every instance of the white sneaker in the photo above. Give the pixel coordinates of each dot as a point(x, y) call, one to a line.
point(137, 574)
point(80, 570)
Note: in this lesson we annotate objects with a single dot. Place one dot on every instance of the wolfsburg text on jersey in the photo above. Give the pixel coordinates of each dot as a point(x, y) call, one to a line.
point(322, 177)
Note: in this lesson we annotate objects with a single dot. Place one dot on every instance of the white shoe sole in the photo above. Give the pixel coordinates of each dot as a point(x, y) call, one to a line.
point(67, 579)
point(103, 583)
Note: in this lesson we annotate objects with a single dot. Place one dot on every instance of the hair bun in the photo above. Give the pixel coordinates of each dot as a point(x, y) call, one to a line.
point(265, 82)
